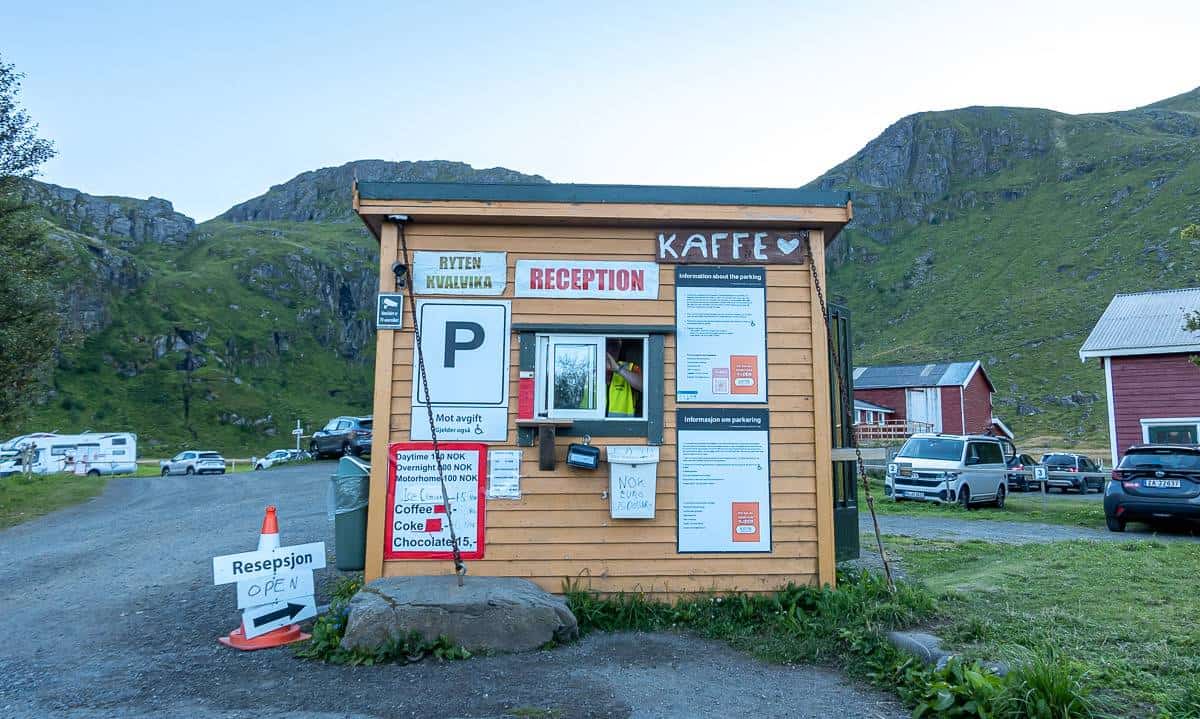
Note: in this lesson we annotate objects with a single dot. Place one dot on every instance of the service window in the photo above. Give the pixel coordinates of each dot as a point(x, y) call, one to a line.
point(590, 377)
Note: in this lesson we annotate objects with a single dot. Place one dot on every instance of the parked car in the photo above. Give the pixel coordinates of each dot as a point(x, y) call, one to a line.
point(193, 462)
point(279, 456)
point(1075, 464)
point(342, 436)
point(949, 468)
point(1154, 481)
point(1020, 479)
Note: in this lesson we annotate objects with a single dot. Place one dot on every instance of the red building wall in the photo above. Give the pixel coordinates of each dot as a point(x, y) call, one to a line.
point(951, 410)
point(891, 398)
point(977, 396)
point(1151, 386)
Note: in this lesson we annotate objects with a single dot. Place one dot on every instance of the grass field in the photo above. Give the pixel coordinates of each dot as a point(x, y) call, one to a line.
point(1124, 612)
point(23, 499)
point(1019, 507)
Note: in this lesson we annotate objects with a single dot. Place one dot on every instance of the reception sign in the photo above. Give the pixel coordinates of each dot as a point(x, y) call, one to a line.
point(592, 279)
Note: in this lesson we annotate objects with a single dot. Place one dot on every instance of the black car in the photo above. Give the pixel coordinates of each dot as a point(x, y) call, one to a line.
point(342, 436)
point(1075, 464)
point(1153, 482)
point(1018, 481)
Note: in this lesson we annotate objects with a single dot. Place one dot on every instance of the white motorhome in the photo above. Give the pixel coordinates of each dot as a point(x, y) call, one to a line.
point(93, 453)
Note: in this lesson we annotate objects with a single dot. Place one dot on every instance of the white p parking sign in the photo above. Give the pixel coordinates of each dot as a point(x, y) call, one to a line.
point(466, 346)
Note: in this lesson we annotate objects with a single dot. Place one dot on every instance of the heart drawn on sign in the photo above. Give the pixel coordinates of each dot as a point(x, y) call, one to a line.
point(787, 247)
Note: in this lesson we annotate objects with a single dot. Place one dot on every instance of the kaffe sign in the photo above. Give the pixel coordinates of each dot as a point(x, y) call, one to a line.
point(721, 334)
point(459, 273)
point(732, 247)
point(724, 481)
point(418, 517)
point(587, 279)
point(466, 346)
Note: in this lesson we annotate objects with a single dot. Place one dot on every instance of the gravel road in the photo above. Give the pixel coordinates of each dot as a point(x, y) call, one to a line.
point(998, 530)
point(110, 611)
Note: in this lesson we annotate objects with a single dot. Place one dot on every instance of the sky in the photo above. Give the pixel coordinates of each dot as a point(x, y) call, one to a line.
point(210, 103)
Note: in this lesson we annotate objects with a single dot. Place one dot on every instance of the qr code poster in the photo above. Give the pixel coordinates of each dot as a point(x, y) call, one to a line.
point(418, 514)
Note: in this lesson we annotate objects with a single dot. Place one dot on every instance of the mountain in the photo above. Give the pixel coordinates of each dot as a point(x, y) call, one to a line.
point(325, 194)
point(1001, 234)
point(222, 333)
point(987, 232)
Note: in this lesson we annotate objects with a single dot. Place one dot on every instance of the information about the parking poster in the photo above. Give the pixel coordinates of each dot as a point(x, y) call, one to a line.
point(721, 340)
point(724, 489)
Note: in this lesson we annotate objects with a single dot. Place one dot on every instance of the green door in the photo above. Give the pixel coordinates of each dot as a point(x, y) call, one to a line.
point(845, 484)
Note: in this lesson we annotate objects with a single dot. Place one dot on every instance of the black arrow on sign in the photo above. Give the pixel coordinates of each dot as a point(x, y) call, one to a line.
point(289, 611)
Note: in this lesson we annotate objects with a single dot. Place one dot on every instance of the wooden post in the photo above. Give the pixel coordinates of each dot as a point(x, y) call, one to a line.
point(382, 436)
point(822, 430)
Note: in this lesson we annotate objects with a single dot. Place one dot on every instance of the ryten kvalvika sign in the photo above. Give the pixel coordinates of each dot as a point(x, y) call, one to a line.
point(732, 247)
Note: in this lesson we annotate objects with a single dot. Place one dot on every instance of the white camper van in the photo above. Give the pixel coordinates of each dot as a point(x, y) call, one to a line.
point(94, 453)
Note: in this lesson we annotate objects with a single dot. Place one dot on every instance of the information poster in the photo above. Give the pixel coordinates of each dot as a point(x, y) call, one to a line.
point(417, 514)
point(466, 344)
point(721, 334)
point(724, 480)
point(504, 474)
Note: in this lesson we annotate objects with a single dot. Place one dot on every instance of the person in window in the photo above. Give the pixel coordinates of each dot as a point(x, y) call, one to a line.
point(624, 379)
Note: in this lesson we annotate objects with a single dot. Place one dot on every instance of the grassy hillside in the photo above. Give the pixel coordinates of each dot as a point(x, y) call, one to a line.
point(228, 341)
point(1001, 234)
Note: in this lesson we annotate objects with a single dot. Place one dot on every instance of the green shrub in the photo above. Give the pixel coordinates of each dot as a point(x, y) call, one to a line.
point(1046, 687)
point(960, 689)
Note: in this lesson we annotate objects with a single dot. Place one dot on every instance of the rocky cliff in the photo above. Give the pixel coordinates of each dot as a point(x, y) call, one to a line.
point(1002, 233)
point(125, 222)
point(324, 194)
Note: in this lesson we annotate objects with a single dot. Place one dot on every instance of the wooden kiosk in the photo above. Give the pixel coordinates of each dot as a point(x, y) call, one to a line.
point(629, 384)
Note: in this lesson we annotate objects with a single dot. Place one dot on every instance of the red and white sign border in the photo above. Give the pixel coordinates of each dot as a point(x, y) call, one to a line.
point(482, 449)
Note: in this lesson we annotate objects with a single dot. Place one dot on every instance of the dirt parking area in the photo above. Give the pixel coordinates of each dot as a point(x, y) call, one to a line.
point(111, 611)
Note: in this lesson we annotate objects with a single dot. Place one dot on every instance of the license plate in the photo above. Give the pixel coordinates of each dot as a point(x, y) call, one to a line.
point(918, 495)
point(1163, 483)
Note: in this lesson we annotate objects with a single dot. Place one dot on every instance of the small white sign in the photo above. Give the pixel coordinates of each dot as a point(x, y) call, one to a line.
point(466, 347)
point(389, 311)
point(275, 588)
point(266, 617)
point(504, 474)
point(459, 273)
point(281, 560)
point(587, 279)
point(633, 481)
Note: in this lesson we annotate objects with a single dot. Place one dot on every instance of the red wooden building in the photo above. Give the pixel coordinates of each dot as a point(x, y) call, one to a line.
point(1153, 387)
point(953, 397)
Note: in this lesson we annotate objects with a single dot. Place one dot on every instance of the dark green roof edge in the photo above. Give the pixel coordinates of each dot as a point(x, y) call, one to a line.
point(630, 194)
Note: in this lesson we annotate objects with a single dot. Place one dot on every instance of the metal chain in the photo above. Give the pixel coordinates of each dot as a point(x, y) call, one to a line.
point(460, 568)
point(847, 416)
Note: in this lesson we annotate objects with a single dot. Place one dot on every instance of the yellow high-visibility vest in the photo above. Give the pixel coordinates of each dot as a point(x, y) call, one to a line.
point(621, 402)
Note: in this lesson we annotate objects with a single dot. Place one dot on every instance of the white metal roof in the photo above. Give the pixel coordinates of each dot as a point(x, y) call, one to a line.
point(863, 404)
point(1145, 323)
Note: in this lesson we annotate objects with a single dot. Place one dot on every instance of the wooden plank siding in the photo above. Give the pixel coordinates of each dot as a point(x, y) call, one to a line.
point(560, 530)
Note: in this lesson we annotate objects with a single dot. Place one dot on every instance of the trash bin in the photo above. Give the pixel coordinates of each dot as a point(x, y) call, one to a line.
point(349, 489)
point(633, 481)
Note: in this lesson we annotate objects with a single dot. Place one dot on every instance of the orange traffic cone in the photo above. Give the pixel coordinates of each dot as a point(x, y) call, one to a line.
point(268, 539)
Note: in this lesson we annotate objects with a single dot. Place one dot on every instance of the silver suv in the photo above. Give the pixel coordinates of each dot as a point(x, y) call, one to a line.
point(948, 468)
point(192, 462)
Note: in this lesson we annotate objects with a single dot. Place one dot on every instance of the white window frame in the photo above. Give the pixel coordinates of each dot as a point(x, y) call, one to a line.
point(544, 343)
point(1149, 422)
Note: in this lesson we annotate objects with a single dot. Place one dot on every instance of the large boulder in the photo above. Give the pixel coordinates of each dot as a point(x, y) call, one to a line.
point(501, 614)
